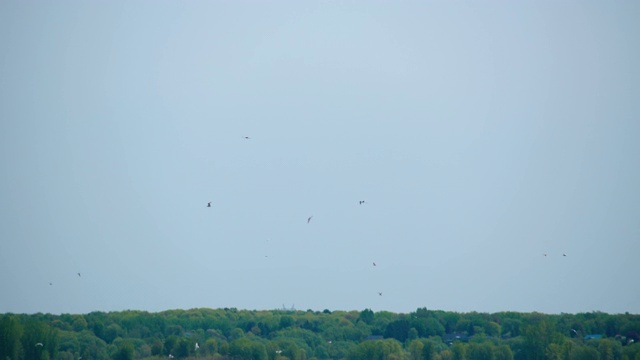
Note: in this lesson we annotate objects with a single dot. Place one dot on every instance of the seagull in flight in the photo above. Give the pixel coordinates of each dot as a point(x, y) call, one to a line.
point(564, 254)
point(361, 202)
point(209, 204)
point(380, 293)
point(39, 344)
point(374, 264)
point(79, 275)
point(246, 137)
point(309, 219)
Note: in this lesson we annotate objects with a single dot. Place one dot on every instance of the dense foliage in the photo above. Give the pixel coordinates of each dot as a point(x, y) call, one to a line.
point(300, 335)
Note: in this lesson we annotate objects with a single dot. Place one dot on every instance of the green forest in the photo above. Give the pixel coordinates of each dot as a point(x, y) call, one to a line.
point(306, 335)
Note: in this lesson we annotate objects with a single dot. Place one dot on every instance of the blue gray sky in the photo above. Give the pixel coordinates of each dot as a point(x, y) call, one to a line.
point(481, 134)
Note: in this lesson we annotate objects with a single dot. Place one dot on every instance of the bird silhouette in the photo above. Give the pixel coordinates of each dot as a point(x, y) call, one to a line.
point(361, 202)
point(380, 293)
point(374, 264)
point(246, 137)
point(39, 344)
point(79, 275)
point(309, 219)
point(209, 204)
point(564, 254)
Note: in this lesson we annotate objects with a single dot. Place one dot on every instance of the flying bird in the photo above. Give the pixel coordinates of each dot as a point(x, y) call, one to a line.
point(309, 219)
point(564, 254)
point(50, 283)
point(39, 344)
point(246, 137)
point(380, 293)
point(197, 346)
point(361, 202)
point(209, 204)
point(374, 264)
point(79, 275)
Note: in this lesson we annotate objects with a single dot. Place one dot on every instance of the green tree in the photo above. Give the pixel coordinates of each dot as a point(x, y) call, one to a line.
point(39, 341)
point(10, 334)
point(555, 352)
point(156, 347)
point(609, 349)
point(480, 351)
point(367, 316)
point(459, 351)
point(584, 353)
point(432, 327)
point(244, 348)
point(211, 346)
point(236, 333)
point(605, 349)
point(415, 349)
point(183, 348)
point(240, 348)
point(511, 327)
point(428, 350)
point(126, 351)
point(537, 336)
point(286, 321)
point(79, 323)
point(503, 352)
point(92, 347)
point(377, 350)
point(170, 344)
point(492, 329)
point(398, 330)
point(112, 332)
point(450, 320)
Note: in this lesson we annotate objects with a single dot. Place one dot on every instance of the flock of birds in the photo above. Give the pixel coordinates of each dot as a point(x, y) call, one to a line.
point(209, 205)
point(360, 202)
point(51, 284)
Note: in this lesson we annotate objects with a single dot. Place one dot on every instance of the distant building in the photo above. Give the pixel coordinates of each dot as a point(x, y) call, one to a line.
point(455, 336)
point(593, 337)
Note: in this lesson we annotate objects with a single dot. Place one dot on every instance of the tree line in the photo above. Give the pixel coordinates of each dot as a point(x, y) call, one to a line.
point(226, 334)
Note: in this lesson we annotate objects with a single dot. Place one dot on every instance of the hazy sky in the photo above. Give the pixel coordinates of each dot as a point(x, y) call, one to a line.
point(481, 135)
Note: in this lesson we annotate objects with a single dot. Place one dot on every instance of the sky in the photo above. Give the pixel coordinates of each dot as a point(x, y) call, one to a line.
point(481, 135)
